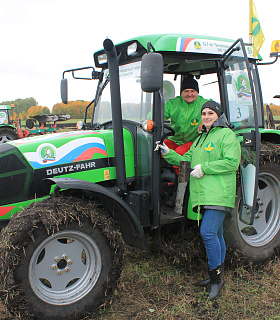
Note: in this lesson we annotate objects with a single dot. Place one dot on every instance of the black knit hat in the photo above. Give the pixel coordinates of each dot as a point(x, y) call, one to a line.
point(213, 106)
point(189, 83)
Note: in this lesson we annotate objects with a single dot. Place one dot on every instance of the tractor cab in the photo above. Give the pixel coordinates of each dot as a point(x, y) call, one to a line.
point(151, 70)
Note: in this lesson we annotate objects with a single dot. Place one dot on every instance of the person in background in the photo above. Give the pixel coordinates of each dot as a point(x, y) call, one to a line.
point(214, 157)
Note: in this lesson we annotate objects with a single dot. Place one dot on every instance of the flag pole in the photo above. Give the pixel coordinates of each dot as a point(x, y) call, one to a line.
point(250, 23)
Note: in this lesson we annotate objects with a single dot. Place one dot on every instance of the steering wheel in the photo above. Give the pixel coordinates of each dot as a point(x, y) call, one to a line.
point(170, 132)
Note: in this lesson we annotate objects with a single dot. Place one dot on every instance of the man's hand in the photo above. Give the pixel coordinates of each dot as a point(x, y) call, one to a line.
point(163, 148)
point(197, 172)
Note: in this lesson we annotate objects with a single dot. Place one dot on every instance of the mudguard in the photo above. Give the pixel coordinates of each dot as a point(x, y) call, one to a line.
point(131, 229)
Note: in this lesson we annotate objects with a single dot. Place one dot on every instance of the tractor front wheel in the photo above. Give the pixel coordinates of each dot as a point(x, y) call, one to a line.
point(67, 265)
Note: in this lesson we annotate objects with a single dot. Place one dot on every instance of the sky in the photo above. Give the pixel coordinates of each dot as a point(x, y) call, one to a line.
point(42, 38)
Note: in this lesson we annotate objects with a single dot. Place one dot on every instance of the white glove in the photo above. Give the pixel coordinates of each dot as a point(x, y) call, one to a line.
point(163, 148)
point(197, 172)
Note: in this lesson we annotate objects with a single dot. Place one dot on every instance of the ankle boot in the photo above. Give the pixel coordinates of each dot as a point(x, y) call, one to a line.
point(206, 282)
point(216, 282)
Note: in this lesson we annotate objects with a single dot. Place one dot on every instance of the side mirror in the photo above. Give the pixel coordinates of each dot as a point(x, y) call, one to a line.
point(152, 72)
point(64, 91)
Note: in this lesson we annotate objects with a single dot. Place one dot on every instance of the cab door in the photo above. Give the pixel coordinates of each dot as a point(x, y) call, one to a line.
point(240, 101)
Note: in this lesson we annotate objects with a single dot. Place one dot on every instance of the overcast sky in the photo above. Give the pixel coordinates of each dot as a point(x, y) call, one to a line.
point(42, 38)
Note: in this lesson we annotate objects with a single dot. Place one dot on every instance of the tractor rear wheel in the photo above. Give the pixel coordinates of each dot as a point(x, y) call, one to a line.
point(67, 259)
point(261, 240)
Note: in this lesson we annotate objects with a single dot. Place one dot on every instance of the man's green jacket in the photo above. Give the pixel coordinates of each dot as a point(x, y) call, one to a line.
point(185, 118)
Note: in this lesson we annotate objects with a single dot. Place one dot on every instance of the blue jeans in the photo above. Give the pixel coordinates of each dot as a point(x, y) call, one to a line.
point(211, 230)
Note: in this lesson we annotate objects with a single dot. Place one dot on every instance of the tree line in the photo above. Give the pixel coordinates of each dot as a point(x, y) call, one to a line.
point(76, 109)
point(27, 108)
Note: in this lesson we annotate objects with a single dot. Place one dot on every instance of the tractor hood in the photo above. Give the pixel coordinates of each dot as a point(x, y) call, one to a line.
point(84, 155)
point(70, 147)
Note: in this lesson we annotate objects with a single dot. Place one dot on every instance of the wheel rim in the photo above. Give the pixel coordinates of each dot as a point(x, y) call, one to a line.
point(267, 217)
point(65, 267)
point(5, 138)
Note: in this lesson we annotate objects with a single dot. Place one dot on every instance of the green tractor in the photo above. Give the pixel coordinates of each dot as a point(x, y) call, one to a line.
point(7, 129)
point(69, 201)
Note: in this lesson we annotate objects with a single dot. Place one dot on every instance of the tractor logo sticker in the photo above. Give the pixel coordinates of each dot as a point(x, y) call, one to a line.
point(47, 153)
point(209, 147)
point(241, 86)
point(249, 51)
point(204, 45)
point(197, 45)
point(3, 117)
point(73, 151)
point(194, 122)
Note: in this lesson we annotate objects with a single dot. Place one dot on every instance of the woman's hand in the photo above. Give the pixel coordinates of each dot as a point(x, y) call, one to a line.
point(163, 148)
point(197, 172)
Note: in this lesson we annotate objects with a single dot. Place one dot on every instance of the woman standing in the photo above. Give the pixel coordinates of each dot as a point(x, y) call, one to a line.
point(215, 157)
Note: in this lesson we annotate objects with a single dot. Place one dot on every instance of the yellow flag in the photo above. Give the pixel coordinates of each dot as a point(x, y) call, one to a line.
point(255, 29)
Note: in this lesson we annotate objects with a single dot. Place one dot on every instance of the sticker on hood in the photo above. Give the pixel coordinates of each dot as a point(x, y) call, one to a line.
point(76, 150)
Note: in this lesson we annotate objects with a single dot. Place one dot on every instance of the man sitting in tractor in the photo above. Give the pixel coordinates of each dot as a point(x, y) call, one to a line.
point(184, 112)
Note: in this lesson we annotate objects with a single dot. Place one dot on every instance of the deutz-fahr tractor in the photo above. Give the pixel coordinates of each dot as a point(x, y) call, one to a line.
point(69, 201)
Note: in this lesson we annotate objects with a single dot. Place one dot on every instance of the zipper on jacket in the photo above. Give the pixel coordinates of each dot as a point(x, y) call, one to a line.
point(186, 121)
point(198, 180)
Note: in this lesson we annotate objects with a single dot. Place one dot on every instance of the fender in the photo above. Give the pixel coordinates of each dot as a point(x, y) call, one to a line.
point(270, 135)
point(131, 229)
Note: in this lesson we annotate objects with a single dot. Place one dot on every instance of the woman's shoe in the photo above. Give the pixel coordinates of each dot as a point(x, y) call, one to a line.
point(206, 282)
point(216, 282)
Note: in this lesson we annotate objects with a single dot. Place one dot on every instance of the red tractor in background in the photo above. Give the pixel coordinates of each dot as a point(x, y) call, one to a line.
point(40, 124)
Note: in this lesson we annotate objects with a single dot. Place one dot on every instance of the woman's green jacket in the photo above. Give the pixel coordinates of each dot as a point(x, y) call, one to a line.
point(218, 152)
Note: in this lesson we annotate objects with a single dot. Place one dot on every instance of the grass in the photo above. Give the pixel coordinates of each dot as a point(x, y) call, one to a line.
point(152, 287)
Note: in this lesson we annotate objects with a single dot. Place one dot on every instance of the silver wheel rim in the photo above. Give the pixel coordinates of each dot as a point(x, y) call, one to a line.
point(65, 267)
point(5, 138)
point(267, 217)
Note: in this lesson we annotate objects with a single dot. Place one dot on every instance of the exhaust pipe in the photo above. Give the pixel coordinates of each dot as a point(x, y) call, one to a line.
point(113, 66)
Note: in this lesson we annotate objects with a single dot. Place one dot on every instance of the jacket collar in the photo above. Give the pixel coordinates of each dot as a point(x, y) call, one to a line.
point(220, 122)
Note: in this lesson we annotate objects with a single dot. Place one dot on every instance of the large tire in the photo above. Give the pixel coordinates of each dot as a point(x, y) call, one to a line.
point(261, 241)
point(7, 135)
point(60, 259)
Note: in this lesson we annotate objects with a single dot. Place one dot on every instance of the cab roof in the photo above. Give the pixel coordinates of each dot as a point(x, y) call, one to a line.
point(182, 53)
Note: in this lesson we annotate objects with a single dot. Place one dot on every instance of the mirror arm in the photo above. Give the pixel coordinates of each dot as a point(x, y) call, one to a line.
point(267, 63)
point(95, 74)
